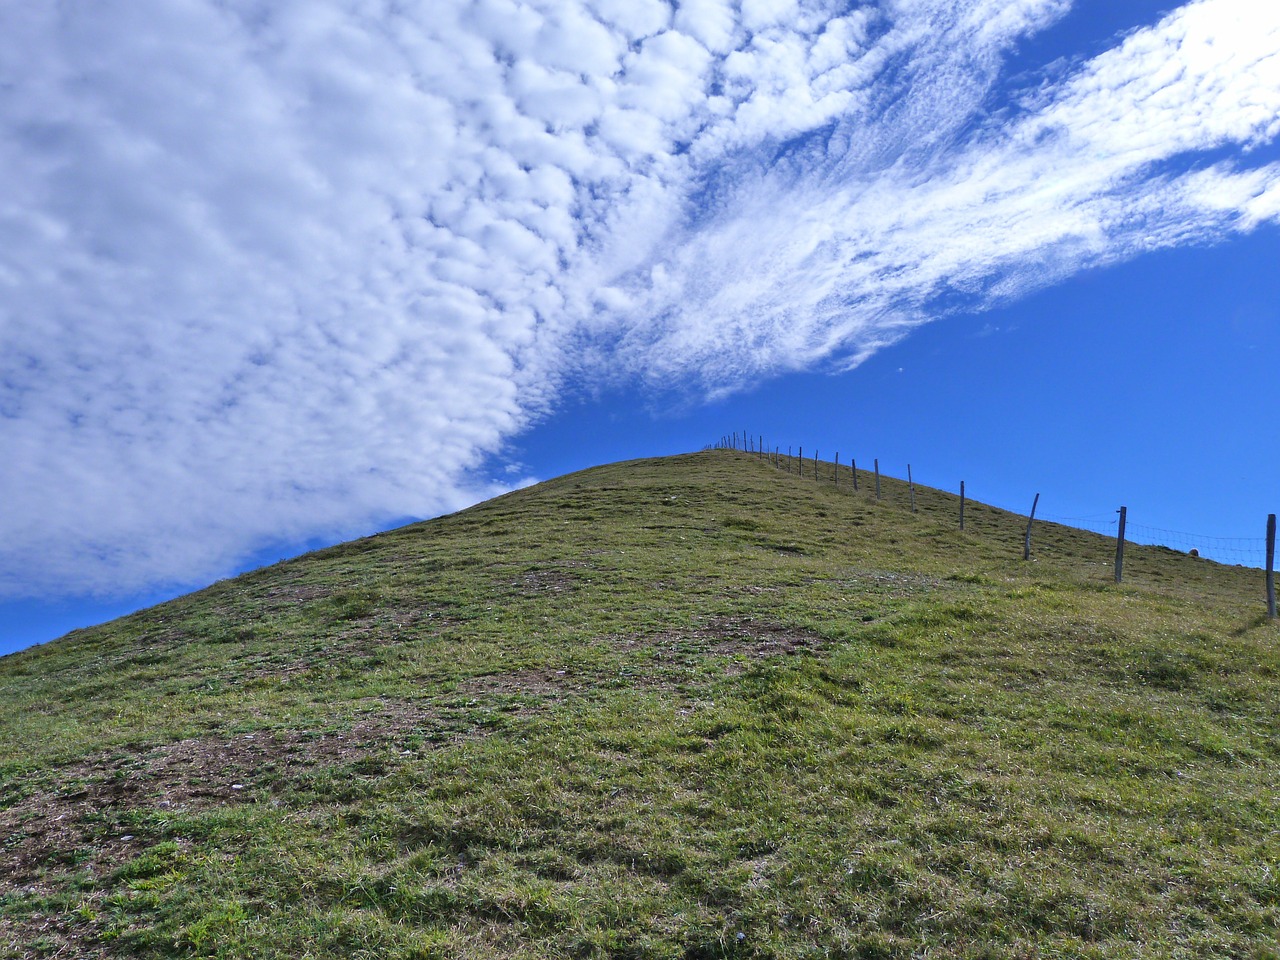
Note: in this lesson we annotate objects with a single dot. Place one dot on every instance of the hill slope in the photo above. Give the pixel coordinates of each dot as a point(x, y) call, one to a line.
point(689, 707)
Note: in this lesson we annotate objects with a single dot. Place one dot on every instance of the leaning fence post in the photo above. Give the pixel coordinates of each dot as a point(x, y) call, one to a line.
point(877, 478)
point(961, 504)
point(1026, 543)
point(912, 485)
point(1124, 513)
point(1271, 566)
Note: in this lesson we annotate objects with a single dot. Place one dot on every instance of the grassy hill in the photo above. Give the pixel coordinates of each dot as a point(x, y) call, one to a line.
point(692, 707)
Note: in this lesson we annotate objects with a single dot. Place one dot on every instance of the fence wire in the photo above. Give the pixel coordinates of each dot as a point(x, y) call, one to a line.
point(1242, 551)
point(1245, 551)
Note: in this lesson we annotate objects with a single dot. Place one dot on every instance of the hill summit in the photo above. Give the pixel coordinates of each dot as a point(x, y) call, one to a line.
point(689, 707)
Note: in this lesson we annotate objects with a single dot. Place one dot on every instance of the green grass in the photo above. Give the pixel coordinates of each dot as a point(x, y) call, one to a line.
point(692, 707)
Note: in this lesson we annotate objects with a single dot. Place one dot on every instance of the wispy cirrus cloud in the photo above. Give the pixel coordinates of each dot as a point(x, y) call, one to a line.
point(274, 270)
point(857, 246)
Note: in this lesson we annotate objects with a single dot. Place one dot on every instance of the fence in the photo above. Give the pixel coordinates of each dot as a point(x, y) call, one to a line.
point(1256, 552)
point(1241, 551)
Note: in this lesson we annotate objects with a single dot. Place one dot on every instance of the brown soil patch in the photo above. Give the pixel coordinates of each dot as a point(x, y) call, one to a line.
point(893, 585)
point(556, 578)
point(80, 829)
point(77, 827)
point(58, 938)
point(545, 581)
point(552, 684)
point(732, 636)
point(743, 635)
point(365, 637)
point(290, 593)
point(762, 638)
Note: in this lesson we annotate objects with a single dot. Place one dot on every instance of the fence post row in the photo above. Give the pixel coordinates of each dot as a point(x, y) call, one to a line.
point(1271, 566)
point(1124, 514)
point(1026, 543)
point(749, 444)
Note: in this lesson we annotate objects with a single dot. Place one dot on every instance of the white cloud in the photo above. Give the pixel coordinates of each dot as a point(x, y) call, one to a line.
point(858, 252)
point(634, 19)
point(269, 271)
point(760, 14)
point(711, 22)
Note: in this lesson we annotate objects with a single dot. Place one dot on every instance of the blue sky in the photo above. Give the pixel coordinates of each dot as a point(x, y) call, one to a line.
point(276, 275)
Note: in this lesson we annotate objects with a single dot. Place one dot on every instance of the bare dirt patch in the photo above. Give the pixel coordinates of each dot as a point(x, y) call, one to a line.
point(763, 638)
point(545, 581)
point(893, 585)
point(50, 938)
point(353, 643)
point(287, 593)
point(730, 636)
point(77, 827)
point(551, 685)
point(555, 578)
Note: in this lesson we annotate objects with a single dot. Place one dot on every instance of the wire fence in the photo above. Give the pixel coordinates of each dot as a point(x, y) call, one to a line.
point(1241, 551)
point(1258, 552)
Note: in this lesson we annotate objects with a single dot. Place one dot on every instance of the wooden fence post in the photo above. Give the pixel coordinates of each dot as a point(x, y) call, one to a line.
point(961, 504)
point(911, 484)
point(1026, 543)
point(815, 464)
point(800, 464)
point(1271, 566)
point(835, 474)
point(1124, 515)
point(877, 478)
point(853, 468)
